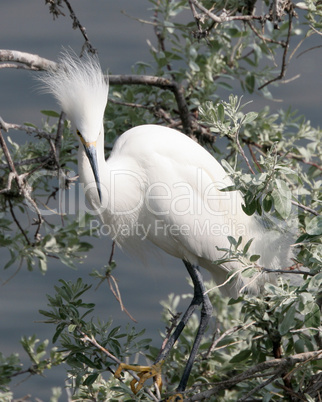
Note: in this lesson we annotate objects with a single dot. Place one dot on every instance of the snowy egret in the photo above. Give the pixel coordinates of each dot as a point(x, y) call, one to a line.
point(160, 188)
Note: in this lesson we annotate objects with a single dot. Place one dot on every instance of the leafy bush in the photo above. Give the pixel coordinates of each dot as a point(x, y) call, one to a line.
point(258, 348)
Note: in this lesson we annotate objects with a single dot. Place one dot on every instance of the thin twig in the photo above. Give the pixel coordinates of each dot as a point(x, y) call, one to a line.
point(130, 104)
point(160, 39)
point(112, 282)
point(286, 271)
point(283, 68)
point(243, 153)
point(41, 160)
point(201, 33)
point(94, 342)
point(14, 274)
point(117, 294)
point(254, 157)
point(59, 133)
point(288, 155)
point(216, 340)
point(264, 38)
point(112, 253)
point(260, 386)
point(303, 160)
point(77, 24)
point(23, 188)
point(173, 321)
point(18, 223)
point(163, 83)
point(225, 17)
point(28, 129)
point(305, 208)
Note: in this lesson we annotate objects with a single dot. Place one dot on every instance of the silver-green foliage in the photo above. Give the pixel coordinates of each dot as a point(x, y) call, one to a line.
point(284, 153)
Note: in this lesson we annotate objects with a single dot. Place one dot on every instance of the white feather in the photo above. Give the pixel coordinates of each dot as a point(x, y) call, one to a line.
point(161, 181)
point(81, 90)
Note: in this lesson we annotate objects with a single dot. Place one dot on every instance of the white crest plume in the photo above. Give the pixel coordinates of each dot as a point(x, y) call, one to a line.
point(81, 90)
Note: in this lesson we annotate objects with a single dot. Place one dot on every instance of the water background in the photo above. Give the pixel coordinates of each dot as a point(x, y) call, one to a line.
point(121, 41)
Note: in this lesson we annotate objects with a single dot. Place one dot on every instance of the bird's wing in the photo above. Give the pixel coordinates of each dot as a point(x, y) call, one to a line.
point(184, 211)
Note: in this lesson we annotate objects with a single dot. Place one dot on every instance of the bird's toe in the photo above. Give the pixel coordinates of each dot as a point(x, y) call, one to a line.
point(144, 373)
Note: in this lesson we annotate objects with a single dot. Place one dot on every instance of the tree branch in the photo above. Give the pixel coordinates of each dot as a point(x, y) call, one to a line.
point(35, 62)
point(23, 188)
point(28, 129)
point(286, 47)
point(31, 61)
point(77, 24)
point(289, 155)
point(225, 17)
point(279, 365)
point(243, 153)
point(163, 83)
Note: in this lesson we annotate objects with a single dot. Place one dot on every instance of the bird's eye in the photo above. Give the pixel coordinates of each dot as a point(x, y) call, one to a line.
point(78, 133)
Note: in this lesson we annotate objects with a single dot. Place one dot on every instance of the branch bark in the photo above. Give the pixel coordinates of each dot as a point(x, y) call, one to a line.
point(25, 60)
point(258, 370)
point(35, 62)
point(23, 187)
point(224, 16)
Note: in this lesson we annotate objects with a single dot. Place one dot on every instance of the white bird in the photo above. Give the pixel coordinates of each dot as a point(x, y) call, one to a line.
point(160, 187)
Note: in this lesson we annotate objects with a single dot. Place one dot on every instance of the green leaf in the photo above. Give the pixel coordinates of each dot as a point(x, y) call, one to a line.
point(250, 83)
point(288, 321)
point(84, 359)
point(258, 207)
point(42, 265)
point(227, 166)
point(309, 398)
point(72, 328)
point(267, 202)
point(247, 245)
point(241, 356)
point(314, 227)
point(282, 198)
point(232, 240)
point(221, 112)
point(299, 346)
point(50, 113)
point(250, 207)
point(47, 314)
point(194, 66)
point(60, 328)
point(313, 319)
point(90, 379)
point(114, 331)
point(249, 117)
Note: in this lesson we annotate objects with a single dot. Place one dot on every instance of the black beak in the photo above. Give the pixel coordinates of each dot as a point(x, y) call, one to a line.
point(90, 149)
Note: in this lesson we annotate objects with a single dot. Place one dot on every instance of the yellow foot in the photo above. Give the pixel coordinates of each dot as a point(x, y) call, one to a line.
point(144, 373)
point(175, 398)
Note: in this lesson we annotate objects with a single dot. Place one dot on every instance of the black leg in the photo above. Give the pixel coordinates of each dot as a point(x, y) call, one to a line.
point(199, 297)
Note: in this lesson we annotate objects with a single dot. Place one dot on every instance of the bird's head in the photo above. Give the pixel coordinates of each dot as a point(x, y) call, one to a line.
point(81, 90)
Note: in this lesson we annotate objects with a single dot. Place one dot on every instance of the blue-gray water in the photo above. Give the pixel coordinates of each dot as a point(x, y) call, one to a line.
point(121, 41)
